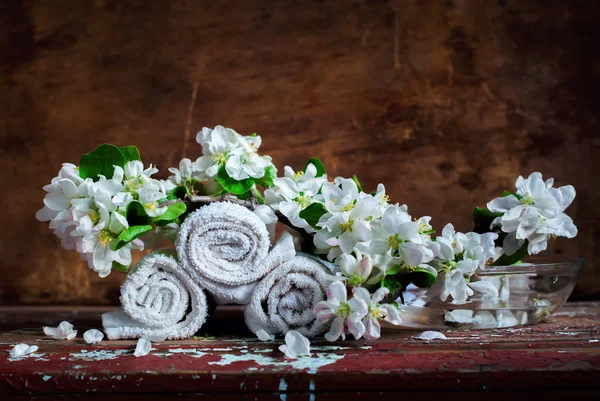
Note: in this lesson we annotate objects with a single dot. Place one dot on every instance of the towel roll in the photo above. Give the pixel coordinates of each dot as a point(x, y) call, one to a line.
point(284, 300)
point(224, 294)
point(159, 299)
point(225, 243)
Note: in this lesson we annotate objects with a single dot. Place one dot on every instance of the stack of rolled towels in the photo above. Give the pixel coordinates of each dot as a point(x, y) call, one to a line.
point(224, 252)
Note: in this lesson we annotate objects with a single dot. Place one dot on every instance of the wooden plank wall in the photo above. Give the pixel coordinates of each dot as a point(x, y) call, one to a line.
point(446, 102)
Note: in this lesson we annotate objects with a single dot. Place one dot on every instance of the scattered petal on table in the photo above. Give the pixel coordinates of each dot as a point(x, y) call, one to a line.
point(143, 347)
point(93, 336)
point(295, 345)
point(22, 350)
point(431, 335)
point(64, 331)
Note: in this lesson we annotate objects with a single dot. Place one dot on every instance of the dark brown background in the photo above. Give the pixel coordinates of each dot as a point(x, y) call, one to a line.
point(446, 102)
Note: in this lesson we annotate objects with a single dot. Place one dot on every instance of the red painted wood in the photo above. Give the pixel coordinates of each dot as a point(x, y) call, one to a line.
point(554, 357)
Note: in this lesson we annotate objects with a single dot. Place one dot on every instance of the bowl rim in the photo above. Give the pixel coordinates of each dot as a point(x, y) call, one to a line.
point(556, 264)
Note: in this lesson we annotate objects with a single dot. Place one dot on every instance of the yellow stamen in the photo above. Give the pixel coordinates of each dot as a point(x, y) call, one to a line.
point(151, 206)
point(219, 158)
point(105, 237)
point(394, 241)
point(298, 174)
point(95, 216)
point(347, 226)
point(348, 207)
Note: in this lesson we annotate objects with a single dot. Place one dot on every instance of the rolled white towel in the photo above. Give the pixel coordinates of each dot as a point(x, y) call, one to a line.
point(224, 294)
point(284, 300)
point(223, 247)
point(159, 299)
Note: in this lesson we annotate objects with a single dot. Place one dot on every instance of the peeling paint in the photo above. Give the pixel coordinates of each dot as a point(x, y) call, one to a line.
point(282, 385)
point(99, 355)
point(46, 378)
point(312, 364)
point(311, 385)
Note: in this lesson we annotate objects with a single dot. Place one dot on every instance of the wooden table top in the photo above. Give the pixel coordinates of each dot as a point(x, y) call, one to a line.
point(225, 362)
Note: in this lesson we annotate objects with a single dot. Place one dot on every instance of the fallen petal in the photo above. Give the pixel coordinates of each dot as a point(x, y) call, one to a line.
point(431, 335)
point(93, 336)
point(22, 350)
point(295, 345)
point(264, 336)
point(143, 347)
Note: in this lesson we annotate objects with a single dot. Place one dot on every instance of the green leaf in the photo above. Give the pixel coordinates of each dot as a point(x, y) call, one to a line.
point(318, 164)
point(231, 185)
point(129, 235)
point(507, 260)
point(313, 213)
point(173, 211)
point(394, 270)
point(506, 193)
point(268, 179)
point(422, 278)
point(483, 218)
point(101, 161)
point(391, 283)
point(130, 153)
point(180, 192)
point(355, 179)
point(245, 195)
point(136, 214)
point(119, 267)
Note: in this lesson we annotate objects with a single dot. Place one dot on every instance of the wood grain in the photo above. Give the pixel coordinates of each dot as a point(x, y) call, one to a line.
point(446, 102)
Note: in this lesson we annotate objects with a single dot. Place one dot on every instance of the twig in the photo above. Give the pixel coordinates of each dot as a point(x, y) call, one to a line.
point(250, 203)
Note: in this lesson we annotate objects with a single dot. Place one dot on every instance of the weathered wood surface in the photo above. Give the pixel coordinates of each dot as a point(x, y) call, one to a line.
point(446, 102)
point(226, 362)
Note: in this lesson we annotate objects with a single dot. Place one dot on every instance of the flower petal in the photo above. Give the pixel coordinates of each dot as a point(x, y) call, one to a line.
point(93, 336)
point(430, 335)
point(142, 347)
point(264, 336)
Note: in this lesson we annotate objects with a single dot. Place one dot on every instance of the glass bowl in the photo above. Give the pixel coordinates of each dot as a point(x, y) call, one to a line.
point(528, 294)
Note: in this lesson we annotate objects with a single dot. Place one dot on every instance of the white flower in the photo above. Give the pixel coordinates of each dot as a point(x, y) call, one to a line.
point(451, 243)
point(534, 214)
point(376, 311)
point(93, 336)
point(295, 192)
point(341, 196)
point(295, 345)
point(430, 335)
point(357, 269)
point(183, 174)
point(345, 314)
point(143, 347)
point(20, 350)
point(481, 247)
point(149, 197)
point(64, 331)
point(403, 237)
point(452, 281)
point(245, 162)
point(99, 232)
point(264, 336)
point(217, 145)
point(343, 230)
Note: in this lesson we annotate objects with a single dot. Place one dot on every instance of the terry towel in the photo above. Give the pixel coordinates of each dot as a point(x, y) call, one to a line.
point(284, 300)
point(224, 248)
point(158, 299)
